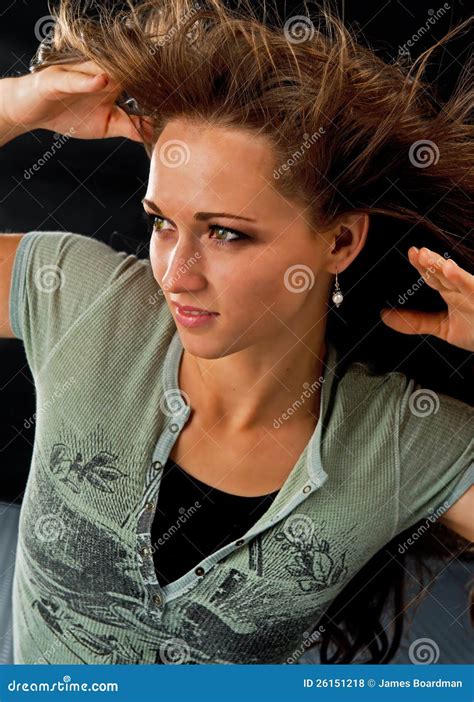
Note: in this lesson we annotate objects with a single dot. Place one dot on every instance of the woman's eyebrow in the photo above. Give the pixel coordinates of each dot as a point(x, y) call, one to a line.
point(198, 215)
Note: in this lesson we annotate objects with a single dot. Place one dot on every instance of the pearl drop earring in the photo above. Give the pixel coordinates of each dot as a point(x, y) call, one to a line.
point(337, 296)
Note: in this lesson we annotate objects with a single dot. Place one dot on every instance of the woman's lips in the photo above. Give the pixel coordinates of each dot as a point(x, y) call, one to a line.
point(190, 308)
point(190, 319)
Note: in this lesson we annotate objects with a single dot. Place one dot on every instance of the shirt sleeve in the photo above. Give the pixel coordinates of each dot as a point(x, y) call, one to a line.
point(56, 278)
point(435, 450)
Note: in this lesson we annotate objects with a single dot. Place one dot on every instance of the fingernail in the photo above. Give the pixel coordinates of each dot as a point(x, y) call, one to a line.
point(413, 248)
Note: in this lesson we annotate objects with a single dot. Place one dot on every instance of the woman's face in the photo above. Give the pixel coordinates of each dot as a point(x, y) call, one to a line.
point(267, 282)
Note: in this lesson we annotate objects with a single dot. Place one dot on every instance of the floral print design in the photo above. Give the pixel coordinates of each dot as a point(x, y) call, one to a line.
point(313, 562)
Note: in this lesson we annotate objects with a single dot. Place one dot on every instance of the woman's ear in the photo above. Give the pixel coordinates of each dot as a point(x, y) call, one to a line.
point(348, 241)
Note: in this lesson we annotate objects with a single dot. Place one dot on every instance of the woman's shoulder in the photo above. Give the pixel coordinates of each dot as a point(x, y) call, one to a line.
point(415, 411)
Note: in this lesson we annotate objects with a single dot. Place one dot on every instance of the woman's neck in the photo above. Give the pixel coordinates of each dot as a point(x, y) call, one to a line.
point(243, 392)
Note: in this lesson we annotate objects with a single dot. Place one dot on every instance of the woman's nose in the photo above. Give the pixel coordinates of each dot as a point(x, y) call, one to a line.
point(183, 273)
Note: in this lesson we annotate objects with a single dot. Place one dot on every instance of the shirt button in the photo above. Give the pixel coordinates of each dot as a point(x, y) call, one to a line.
point(174, 428)
point(150, 506)
point(239, 542)
point(145, 551)
point(307, 488)
point(199, 571)
point(157, 599)
point(157, 465)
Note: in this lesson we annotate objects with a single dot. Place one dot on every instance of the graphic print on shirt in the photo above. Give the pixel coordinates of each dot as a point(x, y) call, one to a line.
point(313, 564)
point(256, 555)
point(84, 572)
point(81, 569)
point(99, 471)
point(263, 611)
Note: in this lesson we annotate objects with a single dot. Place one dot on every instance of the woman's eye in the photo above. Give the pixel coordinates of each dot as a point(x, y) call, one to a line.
point(238, 235)
point(155, 223)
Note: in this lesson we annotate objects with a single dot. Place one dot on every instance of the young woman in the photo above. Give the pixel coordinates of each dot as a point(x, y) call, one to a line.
point(211, 471)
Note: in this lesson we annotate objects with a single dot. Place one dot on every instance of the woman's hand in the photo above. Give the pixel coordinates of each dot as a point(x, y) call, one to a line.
point(456, 286)
point(74, 99)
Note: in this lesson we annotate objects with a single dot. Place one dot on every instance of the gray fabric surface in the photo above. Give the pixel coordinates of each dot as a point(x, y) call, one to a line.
point(9, 514)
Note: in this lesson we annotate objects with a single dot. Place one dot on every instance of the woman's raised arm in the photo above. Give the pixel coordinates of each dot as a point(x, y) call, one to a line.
point(73, 99)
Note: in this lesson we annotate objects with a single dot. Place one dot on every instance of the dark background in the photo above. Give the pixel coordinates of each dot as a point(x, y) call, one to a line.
point(95, 187)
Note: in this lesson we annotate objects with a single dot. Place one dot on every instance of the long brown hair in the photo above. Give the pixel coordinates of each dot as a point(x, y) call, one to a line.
point(356, 134)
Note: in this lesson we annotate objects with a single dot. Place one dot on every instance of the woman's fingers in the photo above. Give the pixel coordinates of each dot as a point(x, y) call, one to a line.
point(72, 83)
point(89, 67)
point(431, 266)
point(457, 276)
point(85, 77)
point(440, 273)
point(123, 125)
point(414, 322)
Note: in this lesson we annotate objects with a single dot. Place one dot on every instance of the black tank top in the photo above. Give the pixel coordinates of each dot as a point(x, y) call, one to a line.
point(182, 534)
